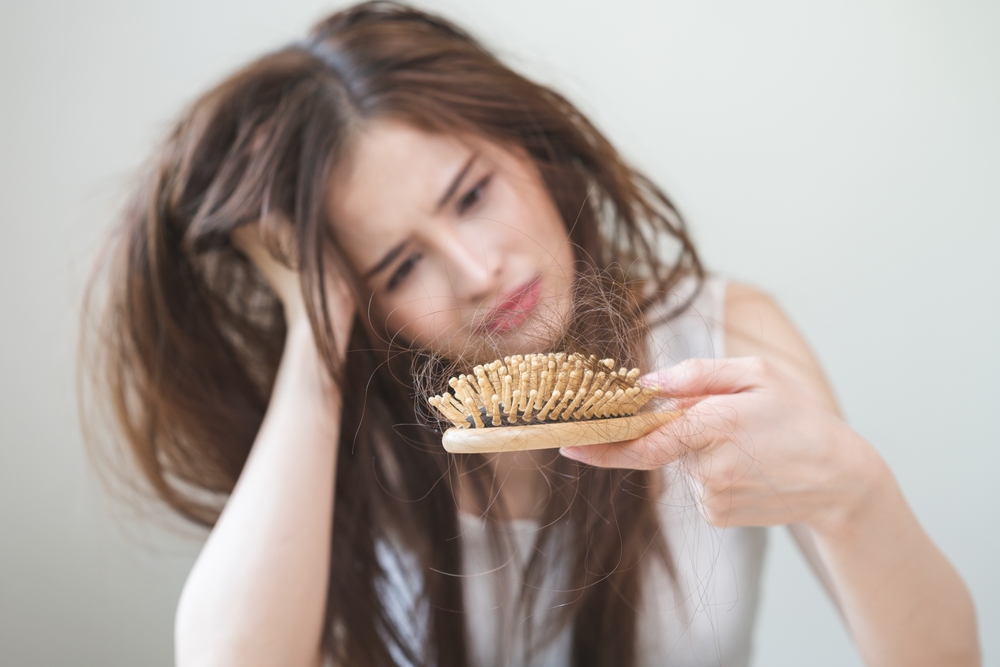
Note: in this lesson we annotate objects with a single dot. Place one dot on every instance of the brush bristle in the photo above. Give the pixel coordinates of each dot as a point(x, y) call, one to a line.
point(538, 388)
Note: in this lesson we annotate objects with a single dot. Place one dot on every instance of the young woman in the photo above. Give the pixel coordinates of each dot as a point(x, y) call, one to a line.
point(323, 237)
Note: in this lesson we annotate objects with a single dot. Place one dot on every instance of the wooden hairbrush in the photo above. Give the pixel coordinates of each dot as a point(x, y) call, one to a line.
point(545, 401)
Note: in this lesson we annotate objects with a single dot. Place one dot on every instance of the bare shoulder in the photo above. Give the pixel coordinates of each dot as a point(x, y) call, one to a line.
point(756, 326)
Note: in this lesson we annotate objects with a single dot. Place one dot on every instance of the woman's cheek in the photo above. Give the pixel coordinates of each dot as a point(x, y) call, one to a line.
point(424, 320)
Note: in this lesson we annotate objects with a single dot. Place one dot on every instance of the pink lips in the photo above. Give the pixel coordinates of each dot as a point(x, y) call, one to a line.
point(514, 307)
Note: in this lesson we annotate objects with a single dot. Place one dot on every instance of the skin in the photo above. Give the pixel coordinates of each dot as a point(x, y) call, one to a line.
point(763, 440)
point(761, 435)
point(454, 258)
point(257, 592)
point(464, 223)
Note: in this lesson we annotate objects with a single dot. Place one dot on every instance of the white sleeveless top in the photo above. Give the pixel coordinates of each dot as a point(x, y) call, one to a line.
point(703, 619)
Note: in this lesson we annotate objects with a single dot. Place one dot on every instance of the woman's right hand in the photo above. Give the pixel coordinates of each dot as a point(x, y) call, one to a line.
point(287, 284)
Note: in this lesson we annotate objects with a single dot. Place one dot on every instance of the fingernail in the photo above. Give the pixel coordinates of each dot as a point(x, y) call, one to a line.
point(663, 381)
point(650, 382)
point(673, 377)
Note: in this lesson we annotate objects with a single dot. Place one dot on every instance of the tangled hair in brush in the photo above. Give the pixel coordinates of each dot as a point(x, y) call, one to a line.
point(182, 336)
point(535, 388)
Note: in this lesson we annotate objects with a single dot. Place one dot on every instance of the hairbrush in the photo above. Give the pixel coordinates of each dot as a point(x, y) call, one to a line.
point(544, 401)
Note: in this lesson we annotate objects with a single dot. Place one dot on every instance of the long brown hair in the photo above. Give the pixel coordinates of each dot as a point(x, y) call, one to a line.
point(188, 342)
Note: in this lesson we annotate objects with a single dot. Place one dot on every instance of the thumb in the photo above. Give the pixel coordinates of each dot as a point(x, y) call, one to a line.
point(701, 377)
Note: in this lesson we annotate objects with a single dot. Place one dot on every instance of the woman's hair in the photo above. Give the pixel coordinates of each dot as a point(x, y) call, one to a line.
point(186, 345)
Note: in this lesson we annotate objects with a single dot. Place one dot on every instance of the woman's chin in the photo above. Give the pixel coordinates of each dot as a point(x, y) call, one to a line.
point(539, 332)
point(532, 336)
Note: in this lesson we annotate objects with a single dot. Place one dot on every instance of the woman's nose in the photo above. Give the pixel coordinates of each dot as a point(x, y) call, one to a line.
point(473, 267)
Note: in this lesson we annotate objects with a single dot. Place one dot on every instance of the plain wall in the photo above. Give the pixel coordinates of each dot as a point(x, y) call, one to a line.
point(844, 157)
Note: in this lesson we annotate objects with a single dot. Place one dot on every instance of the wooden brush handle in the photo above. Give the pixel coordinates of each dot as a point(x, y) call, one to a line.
point(554, 434)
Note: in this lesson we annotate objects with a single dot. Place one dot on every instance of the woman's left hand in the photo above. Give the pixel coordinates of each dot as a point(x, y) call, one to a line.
point(762, 439)
point(761, 448)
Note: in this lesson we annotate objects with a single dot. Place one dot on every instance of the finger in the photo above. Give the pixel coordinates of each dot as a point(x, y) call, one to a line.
point(684, 402)
point(639, 454)
point(700, 377)
point(702, 427)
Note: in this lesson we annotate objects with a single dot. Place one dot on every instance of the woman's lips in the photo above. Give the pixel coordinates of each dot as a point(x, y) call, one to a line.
point(514, 307)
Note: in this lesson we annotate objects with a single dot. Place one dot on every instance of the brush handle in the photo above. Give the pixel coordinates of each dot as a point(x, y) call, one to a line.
point(554, 434)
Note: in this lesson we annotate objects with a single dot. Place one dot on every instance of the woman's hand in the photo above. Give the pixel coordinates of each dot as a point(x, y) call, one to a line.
point(761, 448)
point(763, 444)
point(282, 279)
point(287, 284)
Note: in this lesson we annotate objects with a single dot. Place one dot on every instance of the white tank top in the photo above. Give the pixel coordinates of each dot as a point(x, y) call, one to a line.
point(704, 618)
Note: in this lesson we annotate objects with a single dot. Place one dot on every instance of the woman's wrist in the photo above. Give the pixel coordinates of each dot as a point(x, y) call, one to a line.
point(299, 332)
point(303, 365)
point(860, 489)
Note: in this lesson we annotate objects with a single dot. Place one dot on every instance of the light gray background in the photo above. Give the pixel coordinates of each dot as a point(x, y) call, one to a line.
point(843, 156)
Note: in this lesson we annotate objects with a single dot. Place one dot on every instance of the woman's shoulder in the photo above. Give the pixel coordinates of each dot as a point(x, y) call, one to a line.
point(714, 317)
point(756, 326)
point(688, 321)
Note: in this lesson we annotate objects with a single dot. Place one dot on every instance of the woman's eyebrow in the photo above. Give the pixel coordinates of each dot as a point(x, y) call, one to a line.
point(386, 260)
point(457, 181)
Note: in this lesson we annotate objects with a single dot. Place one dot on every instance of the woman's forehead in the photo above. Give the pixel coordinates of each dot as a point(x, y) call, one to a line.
point(394, 171)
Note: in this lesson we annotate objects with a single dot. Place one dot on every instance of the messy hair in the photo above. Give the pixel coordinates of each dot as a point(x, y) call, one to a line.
point(187, 342)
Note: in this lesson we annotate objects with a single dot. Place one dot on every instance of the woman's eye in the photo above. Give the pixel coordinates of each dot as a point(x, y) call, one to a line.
point(403, 270)
point(472, 197)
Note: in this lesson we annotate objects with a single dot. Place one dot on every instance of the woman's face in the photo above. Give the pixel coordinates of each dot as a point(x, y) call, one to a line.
point(458, 241)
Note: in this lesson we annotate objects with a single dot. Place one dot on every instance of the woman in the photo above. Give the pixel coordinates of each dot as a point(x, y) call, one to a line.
point(331, 230)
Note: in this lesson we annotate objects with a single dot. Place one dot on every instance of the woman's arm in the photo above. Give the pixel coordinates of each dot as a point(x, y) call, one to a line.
point(901, 598)
point(257, 593)
point(762, 438)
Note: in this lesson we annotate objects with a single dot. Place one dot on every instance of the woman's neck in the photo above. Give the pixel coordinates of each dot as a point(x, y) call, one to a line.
point(520, 481)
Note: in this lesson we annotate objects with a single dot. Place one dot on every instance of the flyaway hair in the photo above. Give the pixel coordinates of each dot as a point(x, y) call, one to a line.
point(185, 336)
